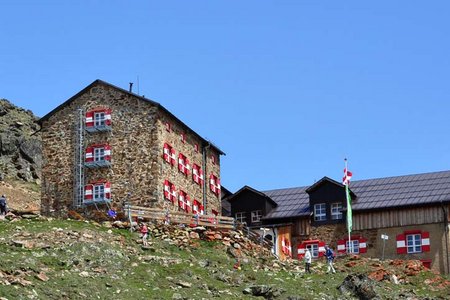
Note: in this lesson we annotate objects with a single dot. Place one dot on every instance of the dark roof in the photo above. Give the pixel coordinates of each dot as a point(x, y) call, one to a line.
point(248, 188)
point(371, 194)
point(98, 81)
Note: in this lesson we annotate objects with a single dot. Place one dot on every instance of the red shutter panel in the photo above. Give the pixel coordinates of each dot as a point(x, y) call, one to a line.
point(188, 204)
point(212, 183)
point(108, 117)
point(166, 189)
point(173, 193)
point(89, 154)
point(200, 171)
point(173, 159)
point(425, 241)
point(341, 246)
point(301, 249)
point(401, 244)
point(182, 200)
point(180, 163)
point(107, 152)
point(89, 119)
point(218, 186)
point(108, 190)
point(88, 192)
point(321, 249)
point(188, 167)
point(195, 176)
point(202, 209)
point(166, 152)
point(362, 245)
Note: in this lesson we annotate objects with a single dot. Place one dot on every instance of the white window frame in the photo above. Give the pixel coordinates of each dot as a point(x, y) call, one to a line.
point(414, 243)
point(256, 216)
point(336, 211)
point(99, 118)
point(355, 246)
point(98, 192)
point(240, 217)
point(99, 154)
point(314, 249)
point(320, 212)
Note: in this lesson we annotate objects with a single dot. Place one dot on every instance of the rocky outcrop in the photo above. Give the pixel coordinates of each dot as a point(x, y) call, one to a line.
point(20, 144)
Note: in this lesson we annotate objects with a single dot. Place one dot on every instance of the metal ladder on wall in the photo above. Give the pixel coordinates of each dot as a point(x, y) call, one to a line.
point(78, 188)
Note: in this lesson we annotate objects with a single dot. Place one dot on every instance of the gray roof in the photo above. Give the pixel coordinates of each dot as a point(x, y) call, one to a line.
point(389, 192)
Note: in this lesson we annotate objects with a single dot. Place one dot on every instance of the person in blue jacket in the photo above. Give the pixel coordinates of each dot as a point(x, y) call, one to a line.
point(330, 259)
point(3, 205)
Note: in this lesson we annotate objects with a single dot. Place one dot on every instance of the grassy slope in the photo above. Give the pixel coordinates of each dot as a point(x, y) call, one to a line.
point(117, 267)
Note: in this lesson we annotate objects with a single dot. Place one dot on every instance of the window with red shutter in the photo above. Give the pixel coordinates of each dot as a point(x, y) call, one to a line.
point(98, 120)
point(197, 174)
point(183, 164)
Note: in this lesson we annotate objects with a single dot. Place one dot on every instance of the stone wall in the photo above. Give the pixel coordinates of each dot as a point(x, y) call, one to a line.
point(138, 134)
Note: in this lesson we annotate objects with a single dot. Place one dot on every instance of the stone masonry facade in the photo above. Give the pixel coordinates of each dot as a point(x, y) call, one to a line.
point(138, 170)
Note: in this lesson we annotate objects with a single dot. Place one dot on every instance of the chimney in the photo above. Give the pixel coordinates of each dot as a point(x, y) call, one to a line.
point(131, 87)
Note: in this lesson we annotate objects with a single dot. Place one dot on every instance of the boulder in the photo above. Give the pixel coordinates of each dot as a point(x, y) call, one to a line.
point(359, 285)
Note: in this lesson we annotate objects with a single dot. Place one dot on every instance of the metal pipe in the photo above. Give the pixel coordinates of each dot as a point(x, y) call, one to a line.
point(205, 200)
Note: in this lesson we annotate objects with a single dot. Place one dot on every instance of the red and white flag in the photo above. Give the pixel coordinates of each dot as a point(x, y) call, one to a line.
point(347, 177)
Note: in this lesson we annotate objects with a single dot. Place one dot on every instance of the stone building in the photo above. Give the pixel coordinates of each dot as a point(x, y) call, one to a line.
point(412, 211)
point(106, 146)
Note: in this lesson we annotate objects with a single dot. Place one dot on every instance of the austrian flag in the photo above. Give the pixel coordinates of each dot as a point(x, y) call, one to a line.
point(347, 177)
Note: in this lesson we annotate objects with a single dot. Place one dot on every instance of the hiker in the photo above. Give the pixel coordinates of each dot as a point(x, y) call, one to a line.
point(307, 259)
point(144, 233)
point(3, 205)
point(330, 258)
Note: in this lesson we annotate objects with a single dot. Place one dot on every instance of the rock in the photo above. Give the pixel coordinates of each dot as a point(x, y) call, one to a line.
point(203, 263)
point(42, 277)
point(177, 296)
point(358, 285)
point(236, 246)
point(194, 235)
point(30, 216)
point(184, 284)
point(84, 274)
point(268, 292)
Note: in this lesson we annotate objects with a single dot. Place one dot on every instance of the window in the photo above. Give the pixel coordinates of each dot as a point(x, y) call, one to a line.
point(240, 217)
point(320, 212)
point(183, 138)
point(197, 208)
point(414, 243)
point(314, 249)
point(213, 159)
point(256, 216)
point(99, 118)
point(169, 154)
point(183, 164)
point(184, 202)
point(99, 154)
point(169, 191)
point(353, 247)
point(168, 126)
point(196, 148)
point(197, 174)
point(99, 192)
point(336, 211)
point(214, 184)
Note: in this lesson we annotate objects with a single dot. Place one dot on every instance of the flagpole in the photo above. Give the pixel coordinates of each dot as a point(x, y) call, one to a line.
point(350, 247)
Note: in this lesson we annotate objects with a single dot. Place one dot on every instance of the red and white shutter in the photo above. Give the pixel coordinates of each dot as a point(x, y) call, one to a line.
point(108, 190)
point(202, 209)
point(107, 152)
point(286, 247)
point(401, 244)
point(89, 157)
point(188, 204)
point(212, 183)
point(89, 119)
point(425, 241)
point(218, 186)
point(182, 200)
point(195, 207)
point(301, 249)
point(200, 176)
point(166, 152)
point(341, 246)
point(88, 192)
point(321, 249)
point(362, 245)
point(173, 159)
point(188, 167)
point(173, 193)
point(167, 189)
point(195, 176)
point(108, 117)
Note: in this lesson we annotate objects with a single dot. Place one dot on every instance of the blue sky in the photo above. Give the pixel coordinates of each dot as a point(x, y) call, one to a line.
point(287, 89)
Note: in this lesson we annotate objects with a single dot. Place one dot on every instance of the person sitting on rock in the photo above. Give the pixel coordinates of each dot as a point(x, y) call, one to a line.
point(3, 205)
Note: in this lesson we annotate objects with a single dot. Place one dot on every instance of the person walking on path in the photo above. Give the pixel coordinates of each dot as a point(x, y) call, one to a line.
point(3, 205)
point(144, 234)
point(307, 259)
point(330, 259)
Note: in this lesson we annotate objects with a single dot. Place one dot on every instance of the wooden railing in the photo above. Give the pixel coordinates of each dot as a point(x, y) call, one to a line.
point(255, 237)
point(174, 217)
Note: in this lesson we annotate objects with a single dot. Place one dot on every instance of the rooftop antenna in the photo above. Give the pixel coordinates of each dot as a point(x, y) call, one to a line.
point(131, 87)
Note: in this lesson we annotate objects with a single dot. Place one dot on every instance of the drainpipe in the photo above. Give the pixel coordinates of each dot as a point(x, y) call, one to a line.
point(205, 180)
point(445, 215)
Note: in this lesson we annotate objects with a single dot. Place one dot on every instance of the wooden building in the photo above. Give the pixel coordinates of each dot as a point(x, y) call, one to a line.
point(412, 211)
point(106, 146)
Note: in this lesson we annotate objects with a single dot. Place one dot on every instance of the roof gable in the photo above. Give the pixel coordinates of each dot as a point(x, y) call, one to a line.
point(247, 188)
point(100, 82)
